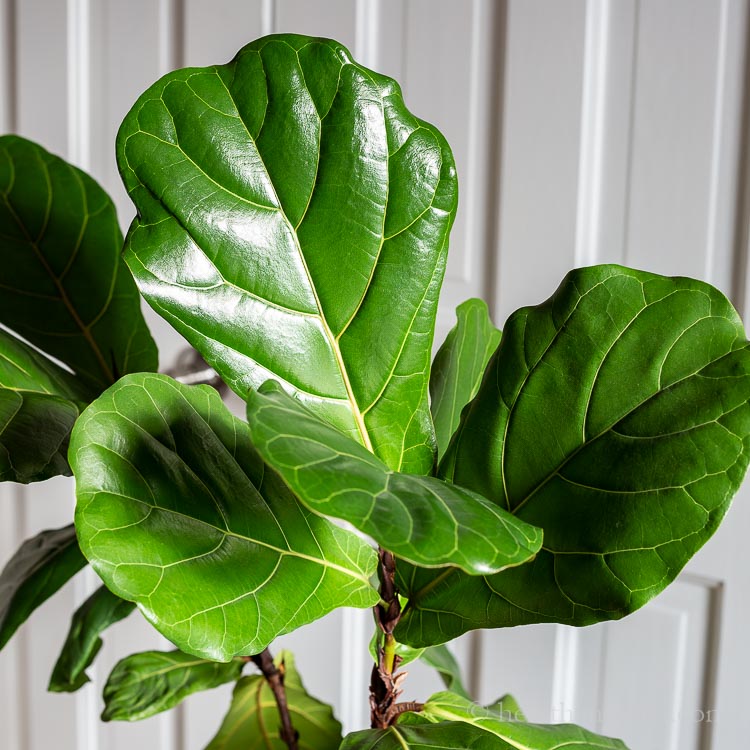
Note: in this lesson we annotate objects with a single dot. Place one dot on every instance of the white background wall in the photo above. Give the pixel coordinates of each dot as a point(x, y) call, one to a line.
point(585, 131)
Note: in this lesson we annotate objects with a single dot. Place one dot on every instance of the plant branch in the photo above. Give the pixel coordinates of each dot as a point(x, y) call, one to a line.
point(385, 682)
point(275, 679)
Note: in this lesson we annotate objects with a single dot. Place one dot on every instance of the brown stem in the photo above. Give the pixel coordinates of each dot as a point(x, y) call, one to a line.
point(385, 681)
point(275, 679)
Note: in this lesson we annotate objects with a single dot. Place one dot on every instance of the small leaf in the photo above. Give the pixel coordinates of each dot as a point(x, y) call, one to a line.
point(64, 286)
point(616, 417)
point(418, 518)
point(293, 221)
point(507, 707)
point(448, 735)
point(459, 366)
point(450, 707)
point(95, 615)
point(40, 566)
point(177, 512)
point(150, 682)
point(39, 402)
point(441, 659)
point(253, 718)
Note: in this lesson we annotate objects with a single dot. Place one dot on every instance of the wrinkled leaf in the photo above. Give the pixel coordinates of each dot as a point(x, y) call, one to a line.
point(148, 683)
point(253, 718)
point(177, 512)
point(459, 366)
point(615, 416)
point(418, 518)
point(64, 286)
point(518, 735)
point(95, 615)
point(39, 402)
point(449, 735)
point(40, 566)
point(293, 222)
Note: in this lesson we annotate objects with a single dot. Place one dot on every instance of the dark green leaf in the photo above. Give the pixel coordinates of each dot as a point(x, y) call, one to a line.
point(39, 402)
point(418, 518)
point(449, 707)
point(177, 512)
point(253, 718)
point(616, 417)
point(293, 222)
point(64, 286)
point(458, 367)
point(95, 615)
point(449, 735)
point(148, 683)
point(40, 566)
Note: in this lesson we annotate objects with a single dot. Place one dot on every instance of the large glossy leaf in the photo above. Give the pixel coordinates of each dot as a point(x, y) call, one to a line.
point(64, 285)
point(40, 566)
point(616, 417)
point(39, 402)
point(459, 366)
point(518, 735)
point(421, 519)
point(293, 223)
point(96, 614)
point(449, 735)
point(177, 512)
point(145, 684)
point(253, 718)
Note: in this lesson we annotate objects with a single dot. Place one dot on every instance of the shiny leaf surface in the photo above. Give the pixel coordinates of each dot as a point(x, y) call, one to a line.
point(459, 366)
point(616, 417)
point(148, 683)
point(40, 566)
point(293, 223)
point(64, 286)
point(418, 518)
point(253, 717)
point(449, 735)
point(177, 512)
point(519, 735)
point(95, 615)
point(39, 402)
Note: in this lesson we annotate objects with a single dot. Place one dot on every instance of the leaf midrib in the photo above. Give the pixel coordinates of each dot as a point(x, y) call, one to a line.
point(332, 340)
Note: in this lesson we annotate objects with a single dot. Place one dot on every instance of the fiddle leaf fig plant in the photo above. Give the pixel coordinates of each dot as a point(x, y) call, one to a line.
point(292, 222)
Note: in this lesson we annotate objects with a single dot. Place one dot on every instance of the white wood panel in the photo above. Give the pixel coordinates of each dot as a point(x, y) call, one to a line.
point(542, 100)
point(642, 679)
point(673, 133)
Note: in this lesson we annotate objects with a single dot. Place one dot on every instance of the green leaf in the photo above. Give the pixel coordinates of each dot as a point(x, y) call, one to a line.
point(95, 615)
point(507, 707)
point(39, 402)
point(148, 683)
point(616, 417)
point(177, 513)
point(515, 735)
point(293, 223)
point(418, 518)
point(449, 735)
point(64, 286)
point(40, 566)
point(441, 659)
point(253, 718)
point(459, 366)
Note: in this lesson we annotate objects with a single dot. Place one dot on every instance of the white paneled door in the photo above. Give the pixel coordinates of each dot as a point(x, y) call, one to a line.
point(585, 131)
